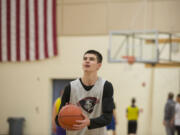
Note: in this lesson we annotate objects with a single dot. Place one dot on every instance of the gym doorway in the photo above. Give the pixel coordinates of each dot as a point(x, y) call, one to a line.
point(58, 85)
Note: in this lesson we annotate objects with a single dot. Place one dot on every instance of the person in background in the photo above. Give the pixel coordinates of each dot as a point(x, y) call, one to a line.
point(112, 125)
point(177, 115)
point(132, 115)
point(58, 130)
point(169, 111)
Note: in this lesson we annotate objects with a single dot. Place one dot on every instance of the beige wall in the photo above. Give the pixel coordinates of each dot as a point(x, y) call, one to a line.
point(26, 88)
point(94, 17)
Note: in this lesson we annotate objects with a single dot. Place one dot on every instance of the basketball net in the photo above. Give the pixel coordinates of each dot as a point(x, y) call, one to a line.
point(130, 59)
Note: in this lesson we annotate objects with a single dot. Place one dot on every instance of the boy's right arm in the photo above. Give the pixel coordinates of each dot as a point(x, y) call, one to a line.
point(65, 99)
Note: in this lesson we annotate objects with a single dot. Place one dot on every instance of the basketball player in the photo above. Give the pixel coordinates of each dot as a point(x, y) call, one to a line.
point(169, 111)
point(58, 130)
point(112, 125)
point(93, 94)
point(177, 115)
point(132, 115)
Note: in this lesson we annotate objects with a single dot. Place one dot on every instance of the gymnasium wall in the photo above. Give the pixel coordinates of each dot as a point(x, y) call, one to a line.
point(89, 17)
point(26, 88)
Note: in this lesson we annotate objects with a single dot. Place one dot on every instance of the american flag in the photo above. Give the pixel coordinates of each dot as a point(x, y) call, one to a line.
point(27, 30)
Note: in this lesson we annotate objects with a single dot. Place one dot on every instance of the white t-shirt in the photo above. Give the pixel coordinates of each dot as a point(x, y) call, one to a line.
point(177, 114)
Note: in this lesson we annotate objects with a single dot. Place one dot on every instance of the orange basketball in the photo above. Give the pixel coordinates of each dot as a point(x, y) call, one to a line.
point(68, 115)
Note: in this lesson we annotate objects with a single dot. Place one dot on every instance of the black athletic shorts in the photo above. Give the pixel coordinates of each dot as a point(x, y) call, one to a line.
point(132, 126)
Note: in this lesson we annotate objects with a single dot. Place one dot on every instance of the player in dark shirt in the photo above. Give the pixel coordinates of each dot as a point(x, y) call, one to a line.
point(107, 100)
point(91, 64)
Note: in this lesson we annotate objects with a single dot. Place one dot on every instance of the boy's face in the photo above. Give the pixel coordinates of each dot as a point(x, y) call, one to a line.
point(90, 63)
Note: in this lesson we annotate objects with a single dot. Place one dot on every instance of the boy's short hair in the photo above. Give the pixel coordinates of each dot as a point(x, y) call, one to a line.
point(98, 55)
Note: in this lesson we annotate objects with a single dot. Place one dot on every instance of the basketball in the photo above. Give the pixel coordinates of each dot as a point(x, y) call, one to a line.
point(68, 115)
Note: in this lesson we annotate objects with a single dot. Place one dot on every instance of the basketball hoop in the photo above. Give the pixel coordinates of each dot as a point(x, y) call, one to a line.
point(130, 59)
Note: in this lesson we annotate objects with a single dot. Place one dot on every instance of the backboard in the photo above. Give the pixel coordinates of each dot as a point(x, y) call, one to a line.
point(148, 46)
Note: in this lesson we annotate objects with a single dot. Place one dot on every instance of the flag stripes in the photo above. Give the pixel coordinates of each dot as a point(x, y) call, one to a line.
point(27, 30)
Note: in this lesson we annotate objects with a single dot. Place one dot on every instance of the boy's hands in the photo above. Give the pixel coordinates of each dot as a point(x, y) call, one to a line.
point(81, 123)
